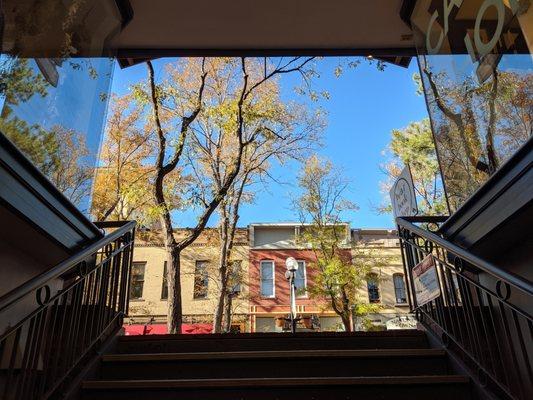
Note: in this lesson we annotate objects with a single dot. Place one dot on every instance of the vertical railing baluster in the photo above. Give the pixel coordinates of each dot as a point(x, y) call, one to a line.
point(510, 344)
point(47, 351)
point(501, 369)
point(524, 353)
point(487, 350)
point(9, 385)
point(45, 345)
point(28, 350)
point(495, 338)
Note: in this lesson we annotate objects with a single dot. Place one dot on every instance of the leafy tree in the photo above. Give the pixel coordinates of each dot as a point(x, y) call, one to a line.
point(280, 131)
point(339, 277)
point(19, 82)
point(178, 102)
point(59, 153)
point(413, 146)
point(121, 186)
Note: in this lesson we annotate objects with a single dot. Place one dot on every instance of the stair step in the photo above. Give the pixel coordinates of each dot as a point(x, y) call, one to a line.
point(412, 339)
point(293, 363)
point(319, 388)
point(223, 355)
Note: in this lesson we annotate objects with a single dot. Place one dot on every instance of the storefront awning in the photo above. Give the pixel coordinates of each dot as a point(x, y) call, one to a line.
point(161, 329)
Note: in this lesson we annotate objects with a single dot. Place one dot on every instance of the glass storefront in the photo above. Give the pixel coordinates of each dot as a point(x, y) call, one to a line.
point(53, 102)
point(476, 69)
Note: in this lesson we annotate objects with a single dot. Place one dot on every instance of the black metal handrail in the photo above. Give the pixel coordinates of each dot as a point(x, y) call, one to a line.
point(45, 334)
point(482, 311)
point(506, 276)
point(64, 267)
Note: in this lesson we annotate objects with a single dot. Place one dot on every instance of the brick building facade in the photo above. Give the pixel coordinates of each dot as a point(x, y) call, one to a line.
point(263, 298)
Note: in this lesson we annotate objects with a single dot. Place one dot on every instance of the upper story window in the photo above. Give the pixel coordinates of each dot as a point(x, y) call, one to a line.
point(201, 280)
point(235, 277)
point(267, 278)
point(300, 280)
point(137, 280)
point(164, 287)
point(399, 289)
point(373, 289)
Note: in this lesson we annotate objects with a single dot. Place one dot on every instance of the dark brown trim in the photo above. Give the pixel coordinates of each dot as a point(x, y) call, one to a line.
point(126, 11)
point(129, 57)
point(406, 11)
point(511, 176)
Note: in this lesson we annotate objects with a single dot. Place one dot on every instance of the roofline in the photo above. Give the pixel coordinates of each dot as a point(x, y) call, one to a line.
point(284, 224)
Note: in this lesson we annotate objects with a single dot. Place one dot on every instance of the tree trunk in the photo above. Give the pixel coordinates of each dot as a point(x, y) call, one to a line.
point(227, 313)
point(175, 316)
point(222, 273)
point(346, 321)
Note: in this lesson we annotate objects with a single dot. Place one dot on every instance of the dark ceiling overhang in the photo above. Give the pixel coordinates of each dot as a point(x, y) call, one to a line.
point(162, 28)
point(136, 30)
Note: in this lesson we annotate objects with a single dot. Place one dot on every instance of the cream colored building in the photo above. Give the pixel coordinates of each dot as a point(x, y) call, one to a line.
point(148, 300)
point(391, 290)
point(148, 303)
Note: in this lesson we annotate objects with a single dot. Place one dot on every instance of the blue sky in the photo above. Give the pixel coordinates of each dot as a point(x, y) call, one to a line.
point(365, 105)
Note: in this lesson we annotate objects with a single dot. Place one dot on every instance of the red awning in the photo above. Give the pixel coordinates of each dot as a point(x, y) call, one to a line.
point(161, 329)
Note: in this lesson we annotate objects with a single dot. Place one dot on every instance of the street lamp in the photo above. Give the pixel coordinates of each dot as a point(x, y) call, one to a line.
point(292, 267)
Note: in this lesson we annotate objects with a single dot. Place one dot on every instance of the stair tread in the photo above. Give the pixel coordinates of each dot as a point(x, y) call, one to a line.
point(274, 354)
point(256, 335)
point(274, 382)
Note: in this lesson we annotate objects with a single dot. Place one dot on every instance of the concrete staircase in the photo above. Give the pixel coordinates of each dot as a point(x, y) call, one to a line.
point(376, 365)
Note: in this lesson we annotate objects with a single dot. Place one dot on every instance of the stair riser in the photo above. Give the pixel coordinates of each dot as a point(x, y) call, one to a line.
point(283, 343)
point(381, 392)
point(274, 368)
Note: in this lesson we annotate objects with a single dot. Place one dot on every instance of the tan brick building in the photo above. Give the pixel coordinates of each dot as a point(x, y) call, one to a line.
point(148, 298)
point(390, 293)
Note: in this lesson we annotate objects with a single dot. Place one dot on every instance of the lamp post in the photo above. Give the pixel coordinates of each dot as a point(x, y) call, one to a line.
point(292, 267)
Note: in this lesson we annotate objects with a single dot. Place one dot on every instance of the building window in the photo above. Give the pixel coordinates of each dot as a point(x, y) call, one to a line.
point(373, 288)
point(235, 277)
point(164, 287)
point(399, 289)
point(137, 280)
point(300, 280)
point(201, 280)
point(267, 279)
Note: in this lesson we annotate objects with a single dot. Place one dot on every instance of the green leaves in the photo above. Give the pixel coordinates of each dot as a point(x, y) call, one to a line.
point(414, 146)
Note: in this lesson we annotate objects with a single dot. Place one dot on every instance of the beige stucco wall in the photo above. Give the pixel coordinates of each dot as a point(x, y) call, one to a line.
point(194, 310)
point(386, 246)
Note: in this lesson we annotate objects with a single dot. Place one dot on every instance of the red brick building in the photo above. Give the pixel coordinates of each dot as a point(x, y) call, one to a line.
point(270, 246)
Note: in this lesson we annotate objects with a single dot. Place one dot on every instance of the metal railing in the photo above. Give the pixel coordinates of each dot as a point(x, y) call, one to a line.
point(51, 323)
point(482, 312)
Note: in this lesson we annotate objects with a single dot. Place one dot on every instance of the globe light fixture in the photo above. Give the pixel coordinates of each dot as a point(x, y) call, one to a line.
point(292, 267)
point(291, 264)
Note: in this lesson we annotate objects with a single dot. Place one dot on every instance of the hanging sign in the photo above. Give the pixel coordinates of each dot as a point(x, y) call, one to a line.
point(426, 281)
point(402, 195)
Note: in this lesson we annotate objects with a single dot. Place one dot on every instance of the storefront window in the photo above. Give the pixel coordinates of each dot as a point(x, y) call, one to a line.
point(53, 111)
point(476, 70)
point(54, 86)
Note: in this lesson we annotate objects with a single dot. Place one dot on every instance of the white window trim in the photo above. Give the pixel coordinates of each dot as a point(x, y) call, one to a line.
point(401, 276)
point(303, 296)
point(273, 279)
